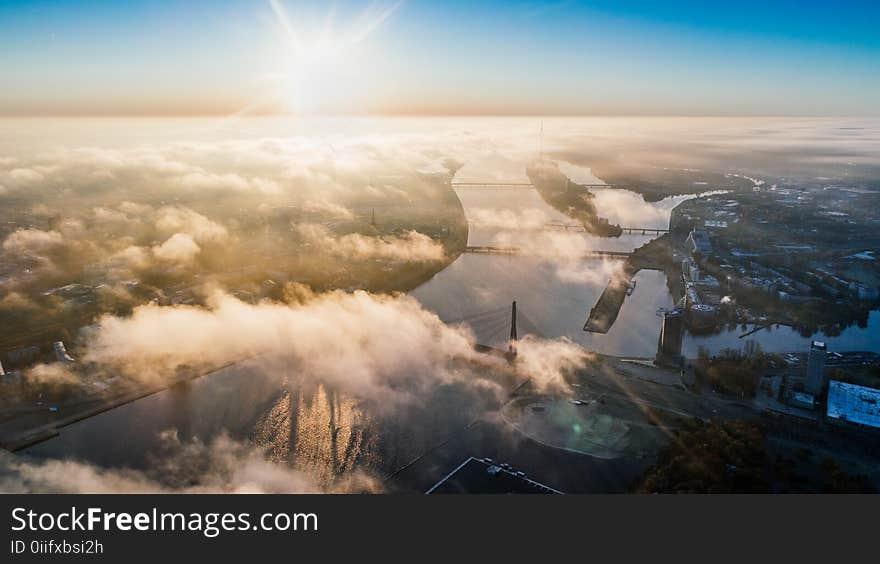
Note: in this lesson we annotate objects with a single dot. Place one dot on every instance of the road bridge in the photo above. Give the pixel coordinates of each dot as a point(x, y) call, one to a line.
point(486, 249)
point(492, 185)
point(568, 226)
point(501, 184)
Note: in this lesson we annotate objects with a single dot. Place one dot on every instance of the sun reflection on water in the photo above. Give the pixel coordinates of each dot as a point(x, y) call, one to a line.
point(320, 431)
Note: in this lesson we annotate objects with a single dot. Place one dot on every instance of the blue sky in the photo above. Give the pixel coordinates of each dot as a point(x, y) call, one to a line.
point(565, 57)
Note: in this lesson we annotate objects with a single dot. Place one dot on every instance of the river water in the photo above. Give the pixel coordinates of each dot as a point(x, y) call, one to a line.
point(780, 338)
point(553, 286)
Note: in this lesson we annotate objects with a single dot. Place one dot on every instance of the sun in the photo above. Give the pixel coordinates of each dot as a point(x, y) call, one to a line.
point(316, 57)
point(314, 77)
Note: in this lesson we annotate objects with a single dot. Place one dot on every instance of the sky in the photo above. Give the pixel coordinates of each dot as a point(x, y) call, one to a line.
point(483, 57)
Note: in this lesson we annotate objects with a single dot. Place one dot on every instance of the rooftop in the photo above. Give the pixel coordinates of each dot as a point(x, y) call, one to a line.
point(699, 241)
point(854, 403)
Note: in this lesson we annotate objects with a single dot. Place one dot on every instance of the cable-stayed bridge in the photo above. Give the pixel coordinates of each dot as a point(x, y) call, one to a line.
point(497, 330)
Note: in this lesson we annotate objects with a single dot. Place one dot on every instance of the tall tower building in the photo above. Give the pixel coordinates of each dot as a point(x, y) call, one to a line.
point(671, 336)
point(816, 368)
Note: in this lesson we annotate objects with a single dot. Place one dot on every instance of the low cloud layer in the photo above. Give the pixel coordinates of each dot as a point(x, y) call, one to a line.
point(622, 207)
point(520, 219)
point(411, 247)
point(386, 351)
point(180, 248)
point(591, 273)
point(368, 345)
point(548, 243)
point(220, 466)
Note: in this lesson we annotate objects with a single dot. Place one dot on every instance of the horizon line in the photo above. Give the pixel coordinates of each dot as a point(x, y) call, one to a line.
point(260, 115)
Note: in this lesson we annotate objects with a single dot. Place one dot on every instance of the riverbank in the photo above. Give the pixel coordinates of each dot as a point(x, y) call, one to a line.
point(32, 429)
point(654, 255)
point(570, 198)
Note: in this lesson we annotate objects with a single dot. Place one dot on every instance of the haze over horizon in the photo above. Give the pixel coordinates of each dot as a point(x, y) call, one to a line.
point(598, 57)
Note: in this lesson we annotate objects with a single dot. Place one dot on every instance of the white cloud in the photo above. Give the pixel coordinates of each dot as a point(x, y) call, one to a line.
point(26, 241)
point(179, 248)
point(412, 246)
point(183, 220)
point(221, 466)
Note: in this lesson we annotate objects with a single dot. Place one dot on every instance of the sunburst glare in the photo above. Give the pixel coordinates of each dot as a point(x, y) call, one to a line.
point(315, 59)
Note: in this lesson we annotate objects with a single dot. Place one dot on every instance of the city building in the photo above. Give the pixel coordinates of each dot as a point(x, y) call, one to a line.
point(853, 404)
point(485, 476)
point(692, 273)
point(61, 353)
point(864, 292)
point(701, 316)
point(671, 336)
point(698, 241)
point(816, 368)
point(800, 399)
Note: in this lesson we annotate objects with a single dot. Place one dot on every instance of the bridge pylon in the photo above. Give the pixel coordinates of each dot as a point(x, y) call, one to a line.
point(511, 342)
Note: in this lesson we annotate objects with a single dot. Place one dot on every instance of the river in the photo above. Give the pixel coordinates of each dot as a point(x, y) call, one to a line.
point(554, 288)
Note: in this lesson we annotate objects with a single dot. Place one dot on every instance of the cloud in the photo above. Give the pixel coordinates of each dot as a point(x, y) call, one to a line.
point(135, 209)
point(179, 248)
point(165, 221)
point(384, 350)
point(369, 345)
point(221, 466)
point(549, 243)
point(115, 241)
point(412, 246)
point(183, 220)
point(25, 176)
point(521, 219)
point(622, 207)
point(591, 272)
point(545, 360)
point(328, 208)
point(15, 303)
point(358, 341)
point(132, 257)
point(36, 253)
point(52, 374)
point(32, 241)
point(228, 181)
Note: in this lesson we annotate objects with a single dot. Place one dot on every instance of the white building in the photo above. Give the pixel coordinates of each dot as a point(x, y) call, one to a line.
point(854, 404)
point(61, 353)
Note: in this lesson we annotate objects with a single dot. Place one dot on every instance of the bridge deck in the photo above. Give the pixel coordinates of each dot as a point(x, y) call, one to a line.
point(579, 227)
point(517, 250)
point(526, 185)
point(493, 184)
